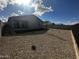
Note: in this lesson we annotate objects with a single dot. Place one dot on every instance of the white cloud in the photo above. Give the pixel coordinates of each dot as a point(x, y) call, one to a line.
point(38, 6)
point(18, 13)
point(3, 4)
point(4, 19)
point(20, 2)
point(40, 9)
point(12, 2)
point(14, 14)
point(73, 22)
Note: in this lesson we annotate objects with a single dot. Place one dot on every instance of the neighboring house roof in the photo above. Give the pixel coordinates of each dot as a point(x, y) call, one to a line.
point(26, 17)
point(28, 22)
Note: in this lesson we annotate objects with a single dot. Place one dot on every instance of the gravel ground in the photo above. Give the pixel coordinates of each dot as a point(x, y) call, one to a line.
point(53, 44)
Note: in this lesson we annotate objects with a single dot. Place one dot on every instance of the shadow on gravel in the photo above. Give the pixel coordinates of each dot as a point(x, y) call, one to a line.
point(76, 35)
point(29, 32)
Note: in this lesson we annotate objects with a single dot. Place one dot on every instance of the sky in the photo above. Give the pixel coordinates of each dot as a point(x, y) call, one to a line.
point(55, 11)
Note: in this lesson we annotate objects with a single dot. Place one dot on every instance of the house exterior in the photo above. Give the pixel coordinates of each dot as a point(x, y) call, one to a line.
point(1, 26)
point(23, 23)
point(0, 29)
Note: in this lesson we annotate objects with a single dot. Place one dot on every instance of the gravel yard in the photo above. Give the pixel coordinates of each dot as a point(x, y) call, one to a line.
point(52, 44)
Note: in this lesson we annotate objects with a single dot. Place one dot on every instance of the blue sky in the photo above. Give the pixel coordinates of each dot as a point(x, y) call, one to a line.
point(58, 11)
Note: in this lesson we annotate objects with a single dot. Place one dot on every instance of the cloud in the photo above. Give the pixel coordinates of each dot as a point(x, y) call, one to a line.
point(14, 14)
point(12, 2)
point(72, 22)
point(4, 19)
point(40, 9)
point(18, 13)
point(3, 4)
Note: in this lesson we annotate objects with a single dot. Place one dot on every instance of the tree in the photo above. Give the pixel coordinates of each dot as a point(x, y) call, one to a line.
point(53, 23)
point(47, 24)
